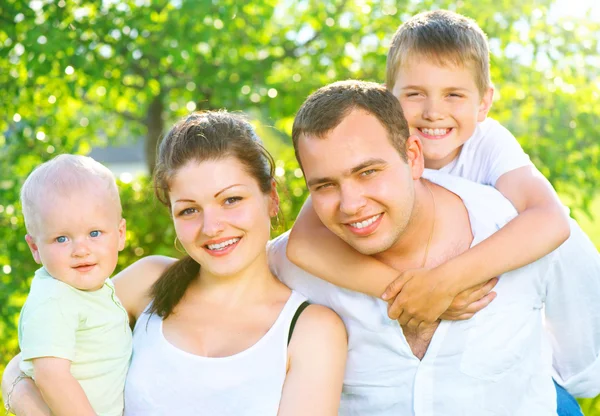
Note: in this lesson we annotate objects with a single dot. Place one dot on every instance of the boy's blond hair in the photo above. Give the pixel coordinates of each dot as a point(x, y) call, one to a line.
point(444, 38)
point(61, 176)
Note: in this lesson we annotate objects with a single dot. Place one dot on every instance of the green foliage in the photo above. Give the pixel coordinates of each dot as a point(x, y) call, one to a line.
point(76, 74)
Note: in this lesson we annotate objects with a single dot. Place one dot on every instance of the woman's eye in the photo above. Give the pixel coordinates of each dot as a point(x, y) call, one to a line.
point(61, 239)
point(187, 211)
point(232, 200)
point(95, 233)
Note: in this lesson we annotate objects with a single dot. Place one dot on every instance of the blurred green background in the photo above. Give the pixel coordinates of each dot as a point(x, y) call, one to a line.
point(77, 76)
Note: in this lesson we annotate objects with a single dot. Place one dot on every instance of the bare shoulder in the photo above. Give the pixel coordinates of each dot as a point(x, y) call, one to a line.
point(320, 325)
point(133, 283)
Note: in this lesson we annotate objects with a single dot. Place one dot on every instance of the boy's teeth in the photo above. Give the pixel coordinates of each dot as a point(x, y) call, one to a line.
point(435, 132)
point(365, 223)
point(223, 244)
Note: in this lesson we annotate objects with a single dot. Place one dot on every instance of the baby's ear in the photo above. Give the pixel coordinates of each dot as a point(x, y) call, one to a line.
point(34, 249)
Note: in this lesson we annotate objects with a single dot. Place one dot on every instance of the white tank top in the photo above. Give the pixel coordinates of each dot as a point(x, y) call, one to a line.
point(165, 380)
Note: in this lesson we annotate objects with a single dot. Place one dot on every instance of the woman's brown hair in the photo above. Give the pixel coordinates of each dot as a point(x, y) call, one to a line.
point(201, 136)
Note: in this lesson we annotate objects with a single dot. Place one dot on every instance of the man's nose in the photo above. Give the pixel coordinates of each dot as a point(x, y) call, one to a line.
point(352, 200)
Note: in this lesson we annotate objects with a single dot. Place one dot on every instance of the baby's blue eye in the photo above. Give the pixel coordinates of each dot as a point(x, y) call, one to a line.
point(61, 239)
point(95, 233)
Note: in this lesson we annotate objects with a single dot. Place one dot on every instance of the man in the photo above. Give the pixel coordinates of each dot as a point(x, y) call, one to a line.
point(364, 174)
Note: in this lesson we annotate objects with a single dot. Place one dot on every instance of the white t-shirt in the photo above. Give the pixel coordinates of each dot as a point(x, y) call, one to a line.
point(488, 154)
point(498, 362)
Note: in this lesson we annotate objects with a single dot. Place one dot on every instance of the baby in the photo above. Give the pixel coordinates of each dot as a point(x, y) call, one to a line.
point(74, 333)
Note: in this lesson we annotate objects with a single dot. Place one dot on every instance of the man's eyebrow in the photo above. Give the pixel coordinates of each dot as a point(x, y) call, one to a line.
point(355, 169)
point(367, 163)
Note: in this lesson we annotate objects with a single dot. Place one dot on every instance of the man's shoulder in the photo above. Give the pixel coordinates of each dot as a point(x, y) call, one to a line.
point(484, 203)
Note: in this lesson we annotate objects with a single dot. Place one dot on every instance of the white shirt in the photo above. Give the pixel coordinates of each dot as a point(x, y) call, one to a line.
point(489, 153)
point(165, 380)
point(497, 363)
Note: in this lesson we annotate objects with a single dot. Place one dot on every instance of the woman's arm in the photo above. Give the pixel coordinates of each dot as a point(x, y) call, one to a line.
point(316, 364)
point(21, 395)
point(133, 283)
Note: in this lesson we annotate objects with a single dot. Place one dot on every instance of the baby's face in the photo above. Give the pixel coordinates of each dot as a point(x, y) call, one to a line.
point(77, 237)
point(442, 106)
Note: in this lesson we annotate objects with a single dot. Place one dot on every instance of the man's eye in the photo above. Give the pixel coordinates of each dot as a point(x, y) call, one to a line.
point(367, 172)
point(95, 233)
point(323, 186)
point(61, 239)
point(232, 200)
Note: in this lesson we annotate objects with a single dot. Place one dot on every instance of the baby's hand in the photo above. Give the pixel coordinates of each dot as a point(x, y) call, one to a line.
point(422, 296)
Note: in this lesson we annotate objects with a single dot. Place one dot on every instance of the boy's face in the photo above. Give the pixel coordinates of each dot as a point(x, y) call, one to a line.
point(77, 237)
point(442, 106)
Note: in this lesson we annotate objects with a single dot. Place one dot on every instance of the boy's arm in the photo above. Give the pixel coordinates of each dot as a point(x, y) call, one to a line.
point(317, 250)
point(541, 226)
point(312, 247)
point(61, 391)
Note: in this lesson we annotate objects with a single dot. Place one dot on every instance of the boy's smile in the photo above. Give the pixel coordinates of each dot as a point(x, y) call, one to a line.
point(442, 105)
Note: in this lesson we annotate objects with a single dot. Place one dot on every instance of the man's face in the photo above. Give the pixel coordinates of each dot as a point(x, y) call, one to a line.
point(362, 189)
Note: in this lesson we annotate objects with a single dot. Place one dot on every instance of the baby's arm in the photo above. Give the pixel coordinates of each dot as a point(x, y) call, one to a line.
point(61, 391)
point(317, 250)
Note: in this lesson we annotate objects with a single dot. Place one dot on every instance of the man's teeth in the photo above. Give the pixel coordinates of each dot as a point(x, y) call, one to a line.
point(365, 223)
point(223, 244)
point(435, 132)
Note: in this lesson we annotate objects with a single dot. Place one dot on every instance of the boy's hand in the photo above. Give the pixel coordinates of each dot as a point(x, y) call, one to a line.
point(423, 296)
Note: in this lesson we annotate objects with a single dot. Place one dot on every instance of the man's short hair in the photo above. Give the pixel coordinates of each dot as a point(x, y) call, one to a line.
point(326, 108)
point(63, 175)
point(445, 38)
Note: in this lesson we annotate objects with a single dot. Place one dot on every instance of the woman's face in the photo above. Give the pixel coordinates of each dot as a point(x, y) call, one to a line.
point(221, 216)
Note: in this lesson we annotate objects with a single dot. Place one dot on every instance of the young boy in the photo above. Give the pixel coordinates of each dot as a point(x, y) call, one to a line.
point(438, 67)
point(73, 332)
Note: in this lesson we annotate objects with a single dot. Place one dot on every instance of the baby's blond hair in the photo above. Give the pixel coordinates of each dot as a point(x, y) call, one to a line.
point(61, 176)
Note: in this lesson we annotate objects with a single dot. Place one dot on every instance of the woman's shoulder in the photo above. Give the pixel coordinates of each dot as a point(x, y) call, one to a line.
point(133, 283)
point(319, 325)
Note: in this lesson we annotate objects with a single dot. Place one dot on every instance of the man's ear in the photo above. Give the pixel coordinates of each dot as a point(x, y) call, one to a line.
point(34, 248)
point(122, 230)
point(414, 156)
point(486, 104)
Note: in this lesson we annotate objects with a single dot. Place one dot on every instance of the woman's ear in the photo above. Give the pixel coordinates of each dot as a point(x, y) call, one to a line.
point(273, 199)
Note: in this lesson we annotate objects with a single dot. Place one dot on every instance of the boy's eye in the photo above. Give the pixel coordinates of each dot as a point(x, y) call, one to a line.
point(232, 200)
point(95, 233)
point(455, 95)
point(61, 239)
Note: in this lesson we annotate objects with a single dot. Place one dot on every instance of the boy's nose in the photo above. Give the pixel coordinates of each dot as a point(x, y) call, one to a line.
point(432, 111)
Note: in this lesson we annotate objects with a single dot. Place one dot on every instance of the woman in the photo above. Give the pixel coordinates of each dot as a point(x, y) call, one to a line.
point(215, 332)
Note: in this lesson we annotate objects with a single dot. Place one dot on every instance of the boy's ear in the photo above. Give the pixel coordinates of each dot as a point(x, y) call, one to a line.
point(122, 229)
point(414, 156)
point(486, 104)
point(34, 249)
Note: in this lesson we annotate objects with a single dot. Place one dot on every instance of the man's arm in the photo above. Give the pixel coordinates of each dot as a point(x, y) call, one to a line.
point(21, 395)
point(60, 390)
point(572, 310)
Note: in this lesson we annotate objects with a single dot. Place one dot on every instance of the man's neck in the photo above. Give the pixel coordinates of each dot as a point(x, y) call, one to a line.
point(451, 234)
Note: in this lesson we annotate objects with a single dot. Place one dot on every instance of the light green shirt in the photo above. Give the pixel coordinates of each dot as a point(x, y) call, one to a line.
point(90, 329)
